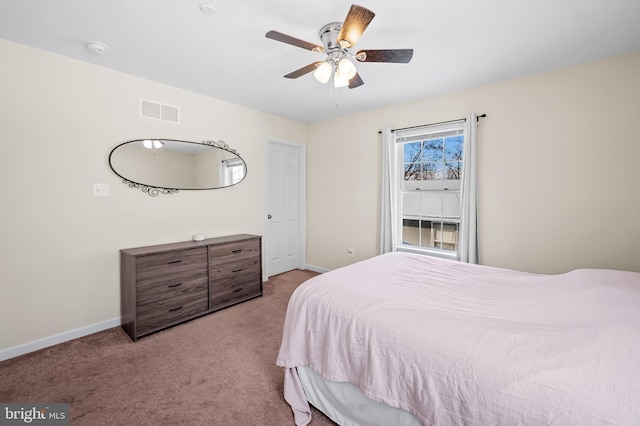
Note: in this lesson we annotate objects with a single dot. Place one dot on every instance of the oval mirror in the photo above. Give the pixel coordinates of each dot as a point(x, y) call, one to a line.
point(167, 166)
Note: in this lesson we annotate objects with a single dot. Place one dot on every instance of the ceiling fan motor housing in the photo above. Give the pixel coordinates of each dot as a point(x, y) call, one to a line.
point(329, 37)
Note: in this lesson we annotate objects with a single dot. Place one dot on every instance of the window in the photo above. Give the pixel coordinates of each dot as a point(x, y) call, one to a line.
point(231, 171)
point(429, 197)
point(430, 168)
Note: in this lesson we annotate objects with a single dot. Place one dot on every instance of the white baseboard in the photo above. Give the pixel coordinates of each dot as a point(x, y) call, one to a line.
point(317, 269)
point(45, 342)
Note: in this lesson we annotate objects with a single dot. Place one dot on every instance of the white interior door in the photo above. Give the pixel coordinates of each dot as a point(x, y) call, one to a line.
point(283, 245)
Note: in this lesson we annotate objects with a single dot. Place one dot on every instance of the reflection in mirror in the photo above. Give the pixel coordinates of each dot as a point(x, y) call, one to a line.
point(166, 166)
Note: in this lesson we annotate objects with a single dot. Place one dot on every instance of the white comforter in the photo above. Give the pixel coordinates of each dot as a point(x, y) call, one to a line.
point(460, 344)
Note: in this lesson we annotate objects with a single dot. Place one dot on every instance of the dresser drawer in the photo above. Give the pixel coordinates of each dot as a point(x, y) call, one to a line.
point(235, 294)
point(245, 292)
point(231, 274)
point(161, 264)
point(229, 252)
point(170, 286)
point(234, 280)
point(172, 307)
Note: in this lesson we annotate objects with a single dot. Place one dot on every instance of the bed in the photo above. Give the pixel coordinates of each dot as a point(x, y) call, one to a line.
point(447, 343)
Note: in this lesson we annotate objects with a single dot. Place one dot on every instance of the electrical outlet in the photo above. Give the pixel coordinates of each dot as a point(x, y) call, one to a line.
point(100, 189)
point(351, 251)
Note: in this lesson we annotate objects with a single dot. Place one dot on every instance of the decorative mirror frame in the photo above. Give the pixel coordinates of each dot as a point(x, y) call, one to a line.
point(153, 191)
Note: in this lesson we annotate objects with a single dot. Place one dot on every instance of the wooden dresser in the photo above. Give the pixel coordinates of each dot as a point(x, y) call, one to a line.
point(164, 285)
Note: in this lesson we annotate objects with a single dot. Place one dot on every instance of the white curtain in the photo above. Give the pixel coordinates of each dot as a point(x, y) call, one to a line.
point(468, 232)
point(388, 213)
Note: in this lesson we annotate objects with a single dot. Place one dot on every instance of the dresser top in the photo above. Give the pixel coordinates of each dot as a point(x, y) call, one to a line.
point(137, 251)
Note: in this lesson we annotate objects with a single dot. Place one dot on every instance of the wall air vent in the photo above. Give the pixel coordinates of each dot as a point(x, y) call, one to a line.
point(155, 110)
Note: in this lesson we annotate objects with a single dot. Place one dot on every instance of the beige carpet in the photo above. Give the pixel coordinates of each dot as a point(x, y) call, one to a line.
point(216, 370)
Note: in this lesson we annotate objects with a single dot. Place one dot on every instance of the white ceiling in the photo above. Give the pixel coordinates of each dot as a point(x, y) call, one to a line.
point(457, 44)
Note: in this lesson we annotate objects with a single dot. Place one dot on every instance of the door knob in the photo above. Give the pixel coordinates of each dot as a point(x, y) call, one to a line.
point(269, 216)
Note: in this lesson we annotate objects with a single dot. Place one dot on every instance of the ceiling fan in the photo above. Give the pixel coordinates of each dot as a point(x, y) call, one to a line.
point(337, 40)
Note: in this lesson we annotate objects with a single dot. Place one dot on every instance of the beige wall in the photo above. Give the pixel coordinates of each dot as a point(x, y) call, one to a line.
point(59, 119)
point(559, 157)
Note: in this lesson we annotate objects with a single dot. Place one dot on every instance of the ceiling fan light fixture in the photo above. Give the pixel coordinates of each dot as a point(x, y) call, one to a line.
point(347, 69)
point(149, 144)
point(340, 80)
point(323, 72)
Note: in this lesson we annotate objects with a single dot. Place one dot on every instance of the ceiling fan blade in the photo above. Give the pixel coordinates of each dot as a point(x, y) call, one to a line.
point(275, 35)
point(398, 56)
point(354, 25)
point(304, 70)
point(356, 81)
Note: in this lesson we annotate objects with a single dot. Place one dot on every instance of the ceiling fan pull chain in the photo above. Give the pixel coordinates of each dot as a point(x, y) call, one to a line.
point(331, 88)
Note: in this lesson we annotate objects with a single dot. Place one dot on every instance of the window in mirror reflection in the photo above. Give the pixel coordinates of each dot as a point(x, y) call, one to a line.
point(231, 171)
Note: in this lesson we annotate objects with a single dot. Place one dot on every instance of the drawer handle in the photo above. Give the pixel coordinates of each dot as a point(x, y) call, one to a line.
point(175, 285)
point(175, 261)
point(175, 309)
point(238, 289)
point(236, 251)
point(237, 270)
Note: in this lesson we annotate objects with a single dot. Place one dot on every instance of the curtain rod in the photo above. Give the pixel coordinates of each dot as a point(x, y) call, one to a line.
point(434, 124)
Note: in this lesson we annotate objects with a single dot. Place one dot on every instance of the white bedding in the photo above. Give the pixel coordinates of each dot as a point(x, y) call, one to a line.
point(345, 404)
point(460, 344)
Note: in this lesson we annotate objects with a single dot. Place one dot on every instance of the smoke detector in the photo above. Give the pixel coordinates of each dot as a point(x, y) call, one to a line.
point(207, 9)
point(97, 47)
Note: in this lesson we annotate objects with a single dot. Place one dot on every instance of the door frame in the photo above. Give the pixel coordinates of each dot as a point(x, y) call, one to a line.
point(302, 202)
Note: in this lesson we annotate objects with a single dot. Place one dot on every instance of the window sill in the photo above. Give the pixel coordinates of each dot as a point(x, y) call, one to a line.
point(435, 253)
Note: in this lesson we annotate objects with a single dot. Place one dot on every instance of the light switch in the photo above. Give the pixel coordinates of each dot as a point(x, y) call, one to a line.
point(100, 189)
